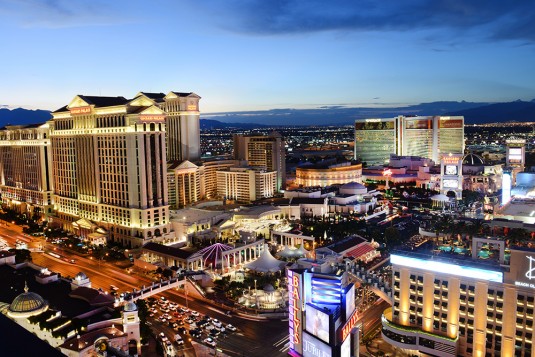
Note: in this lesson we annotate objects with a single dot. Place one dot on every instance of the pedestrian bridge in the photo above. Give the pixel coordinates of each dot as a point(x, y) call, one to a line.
point(179, 282)
point(374, 281)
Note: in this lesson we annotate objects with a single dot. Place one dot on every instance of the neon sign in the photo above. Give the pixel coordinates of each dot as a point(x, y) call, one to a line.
point(80, 110)
point(449, 160)
point(351, 322)
point(150, 117)
point(295, 310)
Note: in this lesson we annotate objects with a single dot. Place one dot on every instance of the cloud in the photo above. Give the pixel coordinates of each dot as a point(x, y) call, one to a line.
point(64, 13)
point(488, 19)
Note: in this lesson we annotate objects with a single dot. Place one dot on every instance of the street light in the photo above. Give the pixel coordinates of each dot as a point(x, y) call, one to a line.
point(255, 295)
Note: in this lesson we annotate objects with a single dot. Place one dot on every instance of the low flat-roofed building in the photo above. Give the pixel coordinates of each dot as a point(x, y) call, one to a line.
point(171, 256)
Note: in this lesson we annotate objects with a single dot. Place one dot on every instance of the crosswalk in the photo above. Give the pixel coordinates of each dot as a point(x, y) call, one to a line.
point(283, 344)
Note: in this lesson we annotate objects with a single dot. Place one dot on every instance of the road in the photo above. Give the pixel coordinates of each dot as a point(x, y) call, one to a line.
point(250, 340)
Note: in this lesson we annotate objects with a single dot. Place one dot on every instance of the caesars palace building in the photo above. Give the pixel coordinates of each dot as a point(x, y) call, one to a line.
point(99, 166)
point(463, 307)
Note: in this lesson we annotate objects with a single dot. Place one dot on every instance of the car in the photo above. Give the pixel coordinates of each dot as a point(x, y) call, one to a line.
point(216, 323)
point(210, 341)
point(163, 337)
point(113, 288)
point(182, 330)
point(189, 321)
point(214, 333)
point(179, 340)
point(194, 313)
point(195, 333)
point(231, 328)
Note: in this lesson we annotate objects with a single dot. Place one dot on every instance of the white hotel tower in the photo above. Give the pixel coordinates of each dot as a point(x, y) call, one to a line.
point(109, 159)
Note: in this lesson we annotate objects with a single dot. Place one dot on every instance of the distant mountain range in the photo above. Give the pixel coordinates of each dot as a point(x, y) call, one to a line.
point(474, 113)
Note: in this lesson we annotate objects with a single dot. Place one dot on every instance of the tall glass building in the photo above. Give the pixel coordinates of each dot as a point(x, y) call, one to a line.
point(429, 136)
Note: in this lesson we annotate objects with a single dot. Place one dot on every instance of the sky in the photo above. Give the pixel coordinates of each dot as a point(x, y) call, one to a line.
point(262, 54)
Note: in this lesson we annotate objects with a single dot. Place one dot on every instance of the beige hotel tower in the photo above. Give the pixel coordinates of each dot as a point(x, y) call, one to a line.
point(109, 158)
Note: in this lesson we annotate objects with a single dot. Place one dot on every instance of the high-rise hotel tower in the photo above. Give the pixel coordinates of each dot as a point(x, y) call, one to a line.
point(452, 305)
point(376, 139)
point(109, 167)
point(25, 175)
point(265, 152)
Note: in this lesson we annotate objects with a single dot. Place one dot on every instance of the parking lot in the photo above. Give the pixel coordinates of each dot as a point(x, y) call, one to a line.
point(177, 326)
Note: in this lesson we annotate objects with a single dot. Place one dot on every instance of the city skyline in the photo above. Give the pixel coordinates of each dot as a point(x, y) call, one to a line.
point(257, 56)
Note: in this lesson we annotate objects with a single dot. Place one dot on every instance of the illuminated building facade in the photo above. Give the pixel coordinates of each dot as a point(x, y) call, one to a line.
point(451, 169)
point(25, 169)
point(184, 182)
point(265, 152)
point(376, 139)
point(429, 137)
point(182, 125)
point(109, 166)
point(209, 175)
point(189, 183)
point(245, 184)
point(322, 314)
point(462, 307)
point(515, 156)
point(326, 175)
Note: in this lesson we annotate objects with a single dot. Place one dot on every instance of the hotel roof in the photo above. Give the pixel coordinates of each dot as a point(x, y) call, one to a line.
point(167, 250)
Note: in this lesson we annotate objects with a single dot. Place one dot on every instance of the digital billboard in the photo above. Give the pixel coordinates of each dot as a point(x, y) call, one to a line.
point(450, 184)
point(522, 268)
point(312, 347)
point(350, 301)
point(515, 155)
point(317, 323)
point(345, 350)
point(506, 187)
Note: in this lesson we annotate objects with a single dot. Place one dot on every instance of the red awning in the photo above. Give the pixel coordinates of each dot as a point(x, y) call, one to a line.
point(360, 250)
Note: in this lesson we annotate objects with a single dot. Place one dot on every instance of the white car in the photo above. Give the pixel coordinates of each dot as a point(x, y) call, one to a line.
point(216, 323)
point(209, 341)
point(194, 313)
point(231, 328)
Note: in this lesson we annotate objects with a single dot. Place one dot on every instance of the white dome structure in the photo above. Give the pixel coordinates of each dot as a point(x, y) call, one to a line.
point(27, 304)
point(130, 306)
point(353, 188)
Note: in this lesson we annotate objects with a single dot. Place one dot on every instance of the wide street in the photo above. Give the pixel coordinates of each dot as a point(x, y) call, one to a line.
point(254, 337)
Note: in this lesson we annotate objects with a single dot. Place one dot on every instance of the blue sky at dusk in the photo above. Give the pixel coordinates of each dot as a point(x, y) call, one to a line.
point(264, 54)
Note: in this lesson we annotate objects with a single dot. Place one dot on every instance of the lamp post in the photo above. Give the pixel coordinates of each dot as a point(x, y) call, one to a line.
point(255, 295)
point(186, 291)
